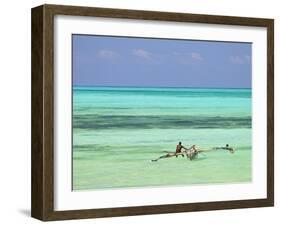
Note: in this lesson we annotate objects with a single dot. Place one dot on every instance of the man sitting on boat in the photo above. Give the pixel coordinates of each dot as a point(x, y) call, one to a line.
point(171, 154)
point(179, 149)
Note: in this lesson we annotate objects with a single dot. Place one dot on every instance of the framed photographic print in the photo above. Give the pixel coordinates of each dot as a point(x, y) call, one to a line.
point(141, 112)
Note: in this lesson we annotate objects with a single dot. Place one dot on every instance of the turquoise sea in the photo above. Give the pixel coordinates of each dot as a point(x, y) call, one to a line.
point(118, 130)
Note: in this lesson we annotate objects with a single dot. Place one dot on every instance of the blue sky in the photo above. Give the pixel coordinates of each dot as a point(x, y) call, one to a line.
point(144, 62)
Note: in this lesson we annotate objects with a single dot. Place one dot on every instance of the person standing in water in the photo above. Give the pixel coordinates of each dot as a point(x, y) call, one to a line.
point(230, 149)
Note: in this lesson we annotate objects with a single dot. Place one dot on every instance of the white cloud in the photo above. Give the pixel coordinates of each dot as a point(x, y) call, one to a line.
point(107, 54)
point(248, 58)
point(188, 58)
point(142, 53)
point(196, 56)
point(236, 60)
point(175, 53)
point(240, 59)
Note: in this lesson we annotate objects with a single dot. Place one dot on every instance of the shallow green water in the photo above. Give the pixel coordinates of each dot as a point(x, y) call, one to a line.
point(117, 131)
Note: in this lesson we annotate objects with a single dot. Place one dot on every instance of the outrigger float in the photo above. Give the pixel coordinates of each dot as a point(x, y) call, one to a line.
point(192, 152)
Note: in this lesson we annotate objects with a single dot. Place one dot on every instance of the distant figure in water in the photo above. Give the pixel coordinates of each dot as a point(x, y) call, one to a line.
point(178, 150)
point(231, 150)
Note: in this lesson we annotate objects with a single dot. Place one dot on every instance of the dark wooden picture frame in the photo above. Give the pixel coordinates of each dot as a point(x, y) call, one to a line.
point(42, 203)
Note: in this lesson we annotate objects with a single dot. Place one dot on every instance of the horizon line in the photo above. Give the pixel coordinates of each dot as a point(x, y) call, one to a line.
point(180, 87)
